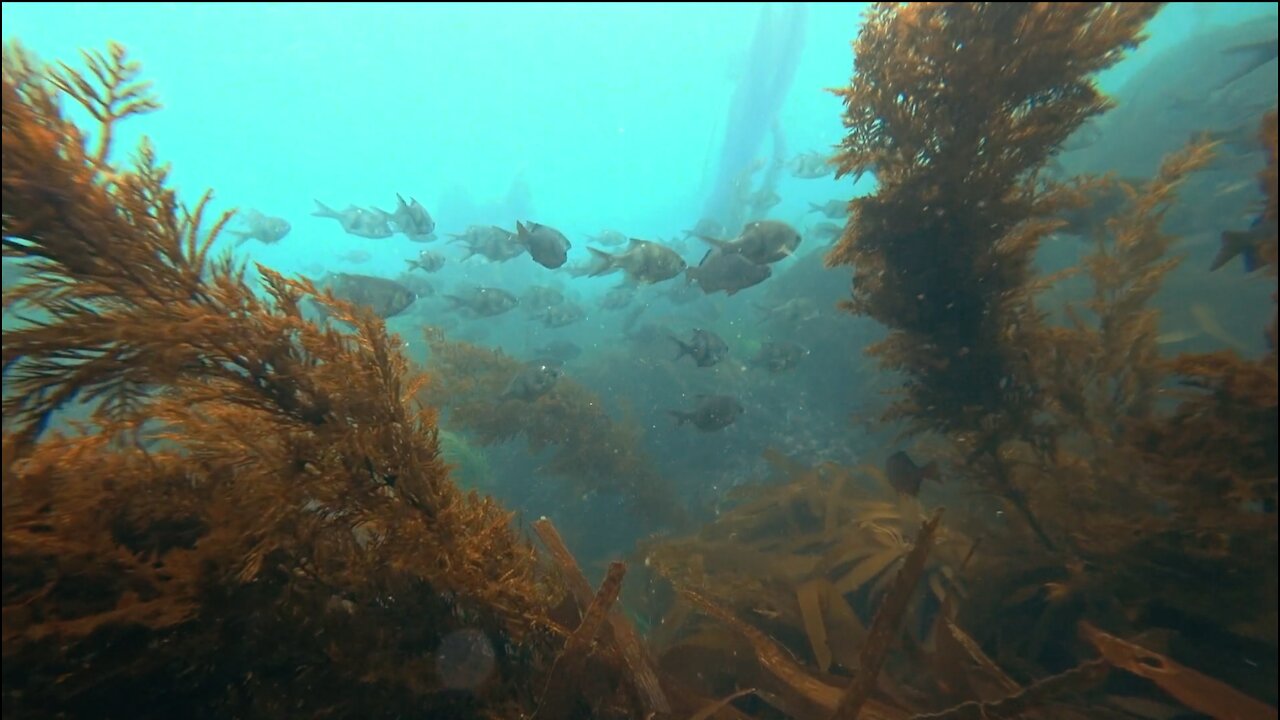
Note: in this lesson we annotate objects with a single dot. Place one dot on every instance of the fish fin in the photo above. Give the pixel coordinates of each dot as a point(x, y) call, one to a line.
point(607, 262)
point(325, 211)
point(401, 199)
point(684, 348)
point(241, 237)
point(716, 242)
point(1233, 243)
point(1251, 260)
point(815, 207)
point(413, 264)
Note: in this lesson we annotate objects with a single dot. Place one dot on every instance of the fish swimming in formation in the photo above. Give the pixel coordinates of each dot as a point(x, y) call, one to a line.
point(532, 382)
point(762, 242)
point(263, 228)
point(537, 298)
point(713, 412)
point(730, 272)
point(412, 219)
point(546, 245)
point(372, 224)
point(905, 476)
point(705, 347)
point(427, 261)
point(834, 209)
point(644, 262)
point(563, 314)
point(386, 298)
point(491, 242)
point(483, 301)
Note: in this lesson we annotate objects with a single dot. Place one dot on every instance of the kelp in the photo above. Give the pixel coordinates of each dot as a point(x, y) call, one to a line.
point(589, 450)
point(1138, 480)
point(255, 520)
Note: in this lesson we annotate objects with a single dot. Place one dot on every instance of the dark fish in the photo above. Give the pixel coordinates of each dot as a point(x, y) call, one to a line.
point(762, 242)
point(373, 224)
point(492, 242)
point(644, 262)
point(546, 245)
point(263, 228)
point(713, 412)
point(609, 238)
point(562, 315)
point(427, 261)
point(617, 298)
point(559, 351)
point(1245, 243)
point(386, 298)
point(412, 219)
point(705, 347)
point(905, 476)
point(727, 271)
point(532, 382)
point(779, 357)
point(484, 301)
point(834, 209)
point(538, 298)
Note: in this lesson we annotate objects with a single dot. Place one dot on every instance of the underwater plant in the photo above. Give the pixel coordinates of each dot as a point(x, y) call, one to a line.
point(254, 520)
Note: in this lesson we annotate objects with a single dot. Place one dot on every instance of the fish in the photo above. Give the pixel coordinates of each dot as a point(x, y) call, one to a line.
point(826, 231)
point(558, 351)
point(609, 238)
point(705, 347)
point(562, 315)
point(762, 241)
point(539, 297)
point(777, 357)
point(386, 298)
point(811, 165)
point(727, 271)
point(905, 476)
point(1254, 55)
point(547, 246)
point(412, 219)
point(706, 226)
point(532, 381)
point(355, 257)
point(427, 262)
point(795, 310)
point(644, 262)
point(372, 224)
point(483, 301)
point(712, 413)
point(491, 242)
point(263, 228)
point(1245, 243)
point(834, 209)
point(617, 298)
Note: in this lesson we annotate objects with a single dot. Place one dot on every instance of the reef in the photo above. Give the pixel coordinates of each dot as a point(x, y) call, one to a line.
point(589, 451)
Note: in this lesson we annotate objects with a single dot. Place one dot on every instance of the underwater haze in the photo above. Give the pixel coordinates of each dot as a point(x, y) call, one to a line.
point(691, 293)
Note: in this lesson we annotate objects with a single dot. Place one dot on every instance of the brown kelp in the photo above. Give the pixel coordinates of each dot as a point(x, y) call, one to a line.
point(590, 451)
point(255, 520)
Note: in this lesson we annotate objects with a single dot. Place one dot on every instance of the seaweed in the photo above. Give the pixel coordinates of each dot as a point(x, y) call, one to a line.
point(590, 451)
point(254, 520)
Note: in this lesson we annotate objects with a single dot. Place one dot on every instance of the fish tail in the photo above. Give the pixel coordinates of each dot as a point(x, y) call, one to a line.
point(414, 264)
point(815, 207)
point(604, 262)
point(1251, 260)
point(454, 301)
point(324, 211)
point(1232, 243)
point(684, 348)
point(681, 417)
point(241, 237)
point(716, 242)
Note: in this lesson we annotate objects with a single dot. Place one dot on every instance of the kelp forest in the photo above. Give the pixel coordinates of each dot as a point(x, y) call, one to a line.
point(255, 518)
